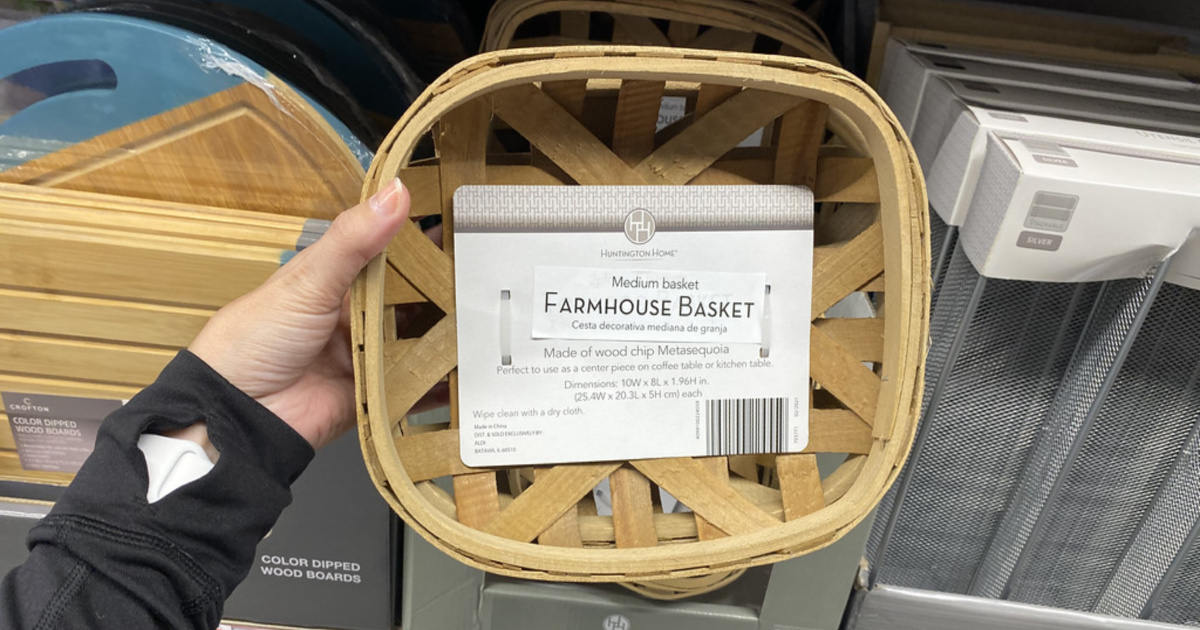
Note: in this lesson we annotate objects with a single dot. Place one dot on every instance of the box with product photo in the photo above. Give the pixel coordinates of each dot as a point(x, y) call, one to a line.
point(329, 562)
point(908, 71)
point(613, 305)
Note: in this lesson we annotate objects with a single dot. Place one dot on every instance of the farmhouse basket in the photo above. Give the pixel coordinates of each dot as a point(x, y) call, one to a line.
point(762, 26)
point(587, 116)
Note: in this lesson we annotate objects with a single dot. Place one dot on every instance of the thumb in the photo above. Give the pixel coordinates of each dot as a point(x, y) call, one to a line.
point(324, 271)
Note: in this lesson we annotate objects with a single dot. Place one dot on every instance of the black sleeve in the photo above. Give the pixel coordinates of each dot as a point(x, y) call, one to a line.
point(106, 558)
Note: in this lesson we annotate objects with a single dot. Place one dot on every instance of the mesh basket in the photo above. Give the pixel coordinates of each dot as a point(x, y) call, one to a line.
point(1017, 338)
point(1056, 462)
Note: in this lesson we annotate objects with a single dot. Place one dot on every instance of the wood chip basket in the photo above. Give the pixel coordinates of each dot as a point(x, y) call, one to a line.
point(586, 116)
point(763, 26)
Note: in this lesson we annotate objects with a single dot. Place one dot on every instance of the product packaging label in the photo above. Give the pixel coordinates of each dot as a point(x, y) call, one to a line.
point(625, 322)
point(55, 433)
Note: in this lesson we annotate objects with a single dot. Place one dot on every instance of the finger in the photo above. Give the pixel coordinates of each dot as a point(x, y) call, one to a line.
point(322, 273)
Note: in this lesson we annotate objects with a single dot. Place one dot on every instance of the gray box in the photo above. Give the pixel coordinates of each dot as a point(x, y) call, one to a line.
point(17, 517)
point(337, 516)
point(805, 593)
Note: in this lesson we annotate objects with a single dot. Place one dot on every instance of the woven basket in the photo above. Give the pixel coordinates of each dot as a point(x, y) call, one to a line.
point(763, 26)
point(748, 510)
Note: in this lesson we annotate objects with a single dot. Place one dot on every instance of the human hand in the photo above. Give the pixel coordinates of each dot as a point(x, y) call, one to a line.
point(287, 343)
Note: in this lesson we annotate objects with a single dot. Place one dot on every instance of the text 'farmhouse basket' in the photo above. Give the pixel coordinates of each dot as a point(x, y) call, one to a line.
point(587, 116)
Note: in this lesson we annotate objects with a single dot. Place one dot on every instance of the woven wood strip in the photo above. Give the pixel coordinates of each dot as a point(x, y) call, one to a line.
point(842, 374)
point(563, 532)
point(633, 511)
point(634, 29)
point(476, 499)
point(550, 497)
point(724, 39)
point(682, 33)
point(846, 179)
point(637, 119)
point(400, 291)
point(853, 265)
point(462, 148)
point(555, 132)
point(710, 96)
point(718, 467)
point(689, 153)
point(861, 337)
point(426, 362)
point(799, 485)
point(435, 276)
point(801, 133)
point(698, 489)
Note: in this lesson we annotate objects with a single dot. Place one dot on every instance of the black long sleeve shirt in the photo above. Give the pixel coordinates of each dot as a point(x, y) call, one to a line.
point(107, 558)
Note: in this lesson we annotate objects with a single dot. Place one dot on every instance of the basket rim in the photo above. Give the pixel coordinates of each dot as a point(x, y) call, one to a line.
point(804, 34)
point(906, 261)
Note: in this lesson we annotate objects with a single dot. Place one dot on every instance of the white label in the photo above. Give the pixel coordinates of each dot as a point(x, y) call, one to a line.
point(647, 305)
point(672, 109)
point(540, 383)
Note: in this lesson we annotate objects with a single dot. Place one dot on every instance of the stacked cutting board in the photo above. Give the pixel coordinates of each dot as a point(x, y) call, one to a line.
point(98, 292)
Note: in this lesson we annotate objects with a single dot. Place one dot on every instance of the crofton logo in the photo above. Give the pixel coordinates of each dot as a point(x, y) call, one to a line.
point(639, 226)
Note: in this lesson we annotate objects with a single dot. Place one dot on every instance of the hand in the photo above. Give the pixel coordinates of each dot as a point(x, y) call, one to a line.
point(287, 343)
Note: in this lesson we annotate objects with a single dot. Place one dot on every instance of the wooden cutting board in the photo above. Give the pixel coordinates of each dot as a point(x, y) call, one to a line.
point(249, 147)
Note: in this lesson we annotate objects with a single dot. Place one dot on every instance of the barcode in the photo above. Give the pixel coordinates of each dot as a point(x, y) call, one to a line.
point(739, 426)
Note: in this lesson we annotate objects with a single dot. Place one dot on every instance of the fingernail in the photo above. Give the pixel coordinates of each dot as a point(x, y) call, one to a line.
point(383, 202)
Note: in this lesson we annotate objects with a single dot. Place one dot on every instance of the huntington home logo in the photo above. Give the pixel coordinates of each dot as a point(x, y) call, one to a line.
point(639, 226)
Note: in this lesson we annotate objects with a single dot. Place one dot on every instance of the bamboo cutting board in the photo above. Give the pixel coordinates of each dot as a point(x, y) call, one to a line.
point(249, 147)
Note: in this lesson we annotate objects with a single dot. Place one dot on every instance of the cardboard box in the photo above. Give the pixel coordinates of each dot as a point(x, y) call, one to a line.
point(330, 560)
point(909, 67)
point(808, 592)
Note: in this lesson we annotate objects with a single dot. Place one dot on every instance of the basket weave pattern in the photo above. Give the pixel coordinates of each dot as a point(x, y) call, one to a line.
point(586, 116)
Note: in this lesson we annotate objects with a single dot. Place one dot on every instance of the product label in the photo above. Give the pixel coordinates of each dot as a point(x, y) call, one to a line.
point(647, 305)
point(603, 323)
point(55, 433)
